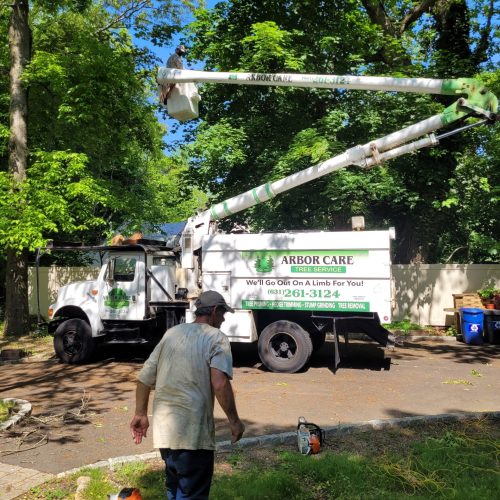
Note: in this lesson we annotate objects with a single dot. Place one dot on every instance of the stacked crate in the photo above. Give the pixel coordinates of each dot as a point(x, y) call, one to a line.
point(464, 300)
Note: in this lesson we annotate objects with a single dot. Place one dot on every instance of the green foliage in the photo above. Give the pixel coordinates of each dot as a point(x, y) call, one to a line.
point(451, 331)
point(148, 19)
point(473, 197)
point(59, 194)
point(6, 408)
point(489, 290)
point(97, 160)
point(269, 46)
point(404, 326)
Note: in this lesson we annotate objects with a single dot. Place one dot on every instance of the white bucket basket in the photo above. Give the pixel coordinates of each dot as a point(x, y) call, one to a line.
point(182, 103)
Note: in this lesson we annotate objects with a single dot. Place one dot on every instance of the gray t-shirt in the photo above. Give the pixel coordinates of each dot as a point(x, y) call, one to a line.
point(179, 371)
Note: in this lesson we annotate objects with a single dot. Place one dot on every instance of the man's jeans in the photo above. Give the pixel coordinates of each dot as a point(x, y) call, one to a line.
point(188, 473)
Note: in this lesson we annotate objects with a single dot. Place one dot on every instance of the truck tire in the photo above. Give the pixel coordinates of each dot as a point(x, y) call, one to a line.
point(73, 341)
point(284, 347)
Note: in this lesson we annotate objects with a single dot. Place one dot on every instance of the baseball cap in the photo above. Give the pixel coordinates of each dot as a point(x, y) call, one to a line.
point(211, 299)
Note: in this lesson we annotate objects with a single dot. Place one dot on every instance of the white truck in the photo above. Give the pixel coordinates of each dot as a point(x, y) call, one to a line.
point(288, 289)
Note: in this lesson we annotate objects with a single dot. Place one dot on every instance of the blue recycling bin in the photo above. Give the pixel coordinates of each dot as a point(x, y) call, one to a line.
point(472, 325)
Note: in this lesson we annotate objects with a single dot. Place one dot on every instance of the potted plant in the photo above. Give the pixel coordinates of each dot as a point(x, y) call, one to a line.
point(490, 296)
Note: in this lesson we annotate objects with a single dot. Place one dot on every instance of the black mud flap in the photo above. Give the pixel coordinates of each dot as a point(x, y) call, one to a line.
point(369, 324)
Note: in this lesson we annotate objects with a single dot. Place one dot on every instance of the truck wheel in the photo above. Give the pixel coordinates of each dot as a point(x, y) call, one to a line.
point(284, 347)
point(73, 341)
point(318, 340)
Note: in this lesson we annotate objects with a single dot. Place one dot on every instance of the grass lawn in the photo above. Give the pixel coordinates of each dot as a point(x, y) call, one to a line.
point(459, 460)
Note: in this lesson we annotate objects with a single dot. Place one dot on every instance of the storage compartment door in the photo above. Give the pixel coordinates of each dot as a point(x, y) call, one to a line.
point(220, 281)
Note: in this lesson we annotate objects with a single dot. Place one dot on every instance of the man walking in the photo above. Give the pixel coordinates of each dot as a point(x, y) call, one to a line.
point(191, 364)
point(174, 61)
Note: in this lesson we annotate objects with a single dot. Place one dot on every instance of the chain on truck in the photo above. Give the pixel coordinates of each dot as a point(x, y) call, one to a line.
point(287, 289)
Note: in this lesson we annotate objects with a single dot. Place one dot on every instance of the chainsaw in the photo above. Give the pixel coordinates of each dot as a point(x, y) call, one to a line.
point(310, 437)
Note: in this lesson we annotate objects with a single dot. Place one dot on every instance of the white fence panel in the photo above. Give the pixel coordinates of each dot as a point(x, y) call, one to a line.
point(423, 291)
point(51, 279)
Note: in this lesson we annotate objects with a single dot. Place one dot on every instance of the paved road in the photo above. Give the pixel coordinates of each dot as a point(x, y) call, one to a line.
point(421, 378)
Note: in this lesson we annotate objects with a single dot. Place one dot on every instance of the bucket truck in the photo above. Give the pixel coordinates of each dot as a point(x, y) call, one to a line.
point(287, 289)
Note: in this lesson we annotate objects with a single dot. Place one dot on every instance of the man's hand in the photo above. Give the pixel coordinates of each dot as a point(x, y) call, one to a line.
point(139, 427)
point(237, 430)
point(140, 423)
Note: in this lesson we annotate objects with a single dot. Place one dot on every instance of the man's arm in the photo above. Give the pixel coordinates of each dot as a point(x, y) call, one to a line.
point(224, 393)
point(140, 423)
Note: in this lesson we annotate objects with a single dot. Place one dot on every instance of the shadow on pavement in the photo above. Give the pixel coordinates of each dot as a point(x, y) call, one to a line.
point(454, 351)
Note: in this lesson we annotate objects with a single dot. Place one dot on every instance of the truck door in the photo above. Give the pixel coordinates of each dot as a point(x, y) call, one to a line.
point(123, 293)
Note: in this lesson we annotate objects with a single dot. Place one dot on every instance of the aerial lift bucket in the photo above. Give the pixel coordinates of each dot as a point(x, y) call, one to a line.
point(182, 102)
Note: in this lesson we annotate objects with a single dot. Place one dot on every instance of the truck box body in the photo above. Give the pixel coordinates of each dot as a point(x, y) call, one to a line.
point(345, 272)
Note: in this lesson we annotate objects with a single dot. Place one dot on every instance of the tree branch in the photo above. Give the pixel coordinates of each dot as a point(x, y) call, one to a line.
point(378, 15)
point(416, 13)
point(453, 253)
point(127, 13)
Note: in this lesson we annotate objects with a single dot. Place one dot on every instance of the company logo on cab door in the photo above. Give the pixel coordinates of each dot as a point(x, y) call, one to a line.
point(117, 299)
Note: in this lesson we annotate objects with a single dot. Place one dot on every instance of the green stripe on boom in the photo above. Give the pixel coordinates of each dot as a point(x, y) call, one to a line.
point(214, 212)
point(268, 190)
point(255, 197)
point(226, 209)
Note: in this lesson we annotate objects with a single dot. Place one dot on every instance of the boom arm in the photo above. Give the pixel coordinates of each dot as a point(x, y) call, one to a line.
point(478, 102)
point(477, 94)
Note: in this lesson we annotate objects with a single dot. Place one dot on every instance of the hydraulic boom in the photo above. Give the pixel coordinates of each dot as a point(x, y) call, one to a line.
point(474, 101)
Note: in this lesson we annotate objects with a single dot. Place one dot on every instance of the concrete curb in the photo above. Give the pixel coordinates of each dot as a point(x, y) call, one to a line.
point(401, 336)
point(436, 338)
point(291, 437)
point(24, 409)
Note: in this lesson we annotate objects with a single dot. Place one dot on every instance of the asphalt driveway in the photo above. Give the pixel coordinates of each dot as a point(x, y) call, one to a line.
point(81, 413)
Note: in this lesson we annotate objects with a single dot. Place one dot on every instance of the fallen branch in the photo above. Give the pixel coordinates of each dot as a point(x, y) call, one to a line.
point(36, 445)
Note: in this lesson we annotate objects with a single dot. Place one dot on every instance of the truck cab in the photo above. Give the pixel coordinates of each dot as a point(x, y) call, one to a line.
point(133, 300)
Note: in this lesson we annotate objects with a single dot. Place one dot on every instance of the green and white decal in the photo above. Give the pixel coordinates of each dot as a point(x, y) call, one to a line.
point(314, 271)
point(117, 299)
point(314, 294)
point(307, 305)
point(306, 261)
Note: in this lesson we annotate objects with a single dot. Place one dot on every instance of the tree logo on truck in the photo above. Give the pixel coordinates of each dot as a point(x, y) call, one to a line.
point(264, 264)
point(117, 299)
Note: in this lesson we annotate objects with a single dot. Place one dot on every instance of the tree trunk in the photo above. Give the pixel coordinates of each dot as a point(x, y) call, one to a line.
point(16, 294)
point(16, 282)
